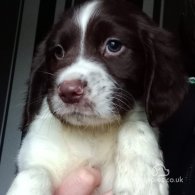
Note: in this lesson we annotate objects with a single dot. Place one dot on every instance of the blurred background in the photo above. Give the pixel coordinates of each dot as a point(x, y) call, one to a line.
point(24, 23)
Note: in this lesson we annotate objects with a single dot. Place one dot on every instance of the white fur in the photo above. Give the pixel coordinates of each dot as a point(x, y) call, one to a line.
point(32, 181)
point(137, 156)
point(82, 19)
point(57, 149)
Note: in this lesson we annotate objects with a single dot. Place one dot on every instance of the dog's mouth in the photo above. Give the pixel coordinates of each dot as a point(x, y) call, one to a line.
point(85, 118)
point(86, 112)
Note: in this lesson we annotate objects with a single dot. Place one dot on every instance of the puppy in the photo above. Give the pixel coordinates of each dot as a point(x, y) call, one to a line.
point(102, 81)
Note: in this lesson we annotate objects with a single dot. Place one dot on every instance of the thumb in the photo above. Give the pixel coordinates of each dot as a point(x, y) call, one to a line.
point(82, 181)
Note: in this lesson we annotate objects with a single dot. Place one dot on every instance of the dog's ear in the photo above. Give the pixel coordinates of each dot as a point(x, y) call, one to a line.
point(36, 87)
point(165, 81)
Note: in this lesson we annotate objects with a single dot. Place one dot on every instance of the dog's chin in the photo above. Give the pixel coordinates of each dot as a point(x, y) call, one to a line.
point(79, 119)
point(82, 114)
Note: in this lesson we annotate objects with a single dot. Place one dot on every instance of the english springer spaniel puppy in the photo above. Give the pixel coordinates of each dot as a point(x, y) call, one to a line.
point(102, 81)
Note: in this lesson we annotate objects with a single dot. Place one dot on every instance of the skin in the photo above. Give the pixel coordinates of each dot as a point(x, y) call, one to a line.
point(83, 181)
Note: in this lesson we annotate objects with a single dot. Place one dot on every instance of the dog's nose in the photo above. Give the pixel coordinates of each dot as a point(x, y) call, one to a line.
point(71, 91)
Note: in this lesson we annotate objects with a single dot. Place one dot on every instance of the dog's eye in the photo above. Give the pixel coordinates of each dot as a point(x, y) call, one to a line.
point(59, 52)
point(113, 47)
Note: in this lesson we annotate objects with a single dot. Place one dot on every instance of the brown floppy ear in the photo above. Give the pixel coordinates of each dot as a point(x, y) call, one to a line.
point(36, 87)
point(165, 81)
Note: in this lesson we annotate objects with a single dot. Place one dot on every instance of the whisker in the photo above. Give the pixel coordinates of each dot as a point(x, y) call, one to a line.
point(124, 103)
point(123, 90)
point(127, 97)
point(119, 106)
point(48, 73)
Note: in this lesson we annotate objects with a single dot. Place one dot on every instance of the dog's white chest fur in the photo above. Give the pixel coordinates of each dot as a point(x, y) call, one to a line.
point(126, 156)
point(60, 148)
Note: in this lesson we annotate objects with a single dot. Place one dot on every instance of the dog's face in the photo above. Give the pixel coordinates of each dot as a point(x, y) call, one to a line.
point(102, 58)
point(97, 75)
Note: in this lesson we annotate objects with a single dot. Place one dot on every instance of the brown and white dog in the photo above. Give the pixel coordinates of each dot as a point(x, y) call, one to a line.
point(102, 80)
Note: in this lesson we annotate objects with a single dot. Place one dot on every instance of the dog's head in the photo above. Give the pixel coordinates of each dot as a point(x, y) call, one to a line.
point(102, 58)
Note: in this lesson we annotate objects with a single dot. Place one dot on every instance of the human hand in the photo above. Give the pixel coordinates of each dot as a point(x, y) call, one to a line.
point(83, 181)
